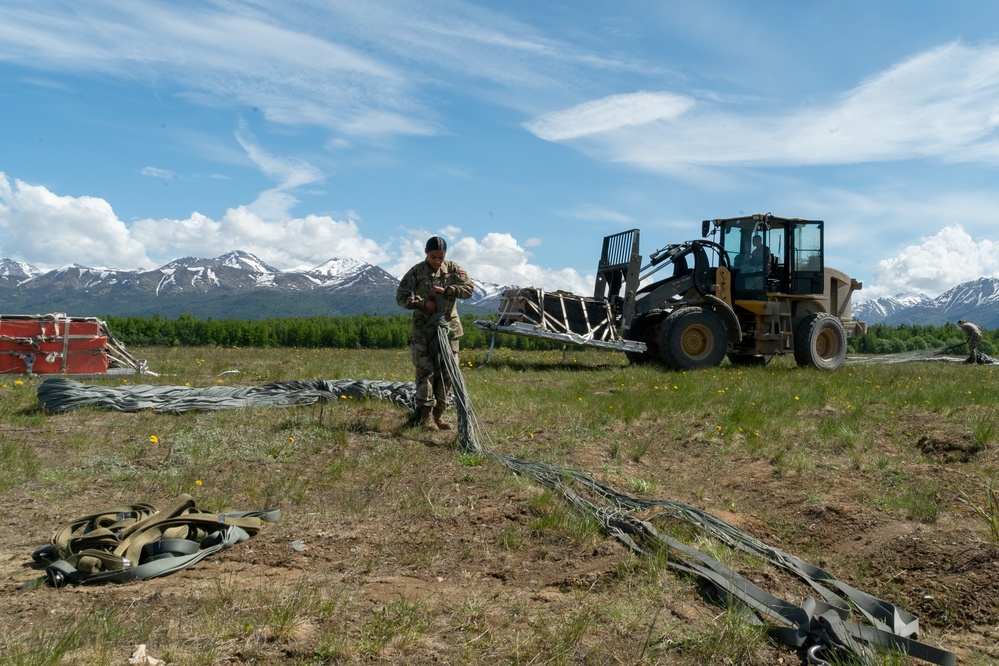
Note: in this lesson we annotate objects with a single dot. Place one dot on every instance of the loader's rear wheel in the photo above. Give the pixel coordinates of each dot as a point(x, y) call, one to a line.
point(645, 329)
point(692, 338)
point(820, 342)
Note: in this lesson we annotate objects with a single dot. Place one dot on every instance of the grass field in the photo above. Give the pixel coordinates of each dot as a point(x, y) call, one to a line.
point(396, 547)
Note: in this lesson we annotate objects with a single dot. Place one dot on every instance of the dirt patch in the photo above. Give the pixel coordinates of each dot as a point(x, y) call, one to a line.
point(385, 526)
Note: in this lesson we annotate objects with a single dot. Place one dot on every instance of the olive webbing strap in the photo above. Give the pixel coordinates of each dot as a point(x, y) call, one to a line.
point(62, 572)
point(822, 623)
point(97, 528)
point(135, 542)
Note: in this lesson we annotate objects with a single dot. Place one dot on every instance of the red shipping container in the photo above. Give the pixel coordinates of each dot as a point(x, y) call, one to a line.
point(52, 346)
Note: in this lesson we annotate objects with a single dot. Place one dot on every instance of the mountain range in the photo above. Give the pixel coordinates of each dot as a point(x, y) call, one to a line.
point(234, 285)
point(977, 301)
point(239, 285)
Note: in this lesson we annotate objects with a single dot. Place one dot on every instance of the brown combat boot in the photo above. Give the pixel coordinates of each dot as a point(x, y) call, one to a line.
point(424, 419)
point(439, 419)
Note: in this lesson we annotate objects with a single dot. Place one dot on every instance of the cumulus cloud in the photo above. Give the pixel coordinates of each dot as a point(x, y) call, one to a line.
point(44, 229)
point(497, 258)
point(935, 264)
point(49, 231)
point(301, 242)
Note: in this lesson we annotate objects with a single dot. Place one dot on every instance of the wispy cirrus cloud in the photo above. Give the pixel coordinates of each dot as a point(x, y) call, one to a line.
point(940, 104)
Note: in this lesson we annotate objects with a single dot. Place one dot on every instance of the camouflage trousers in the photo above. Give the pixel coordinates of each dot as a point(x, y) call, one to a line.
point(433, 383)
point(973, 341)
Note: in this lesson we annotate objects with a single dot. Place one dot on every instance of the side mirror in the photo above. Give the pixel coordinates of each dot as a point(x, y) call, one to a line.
point(705, 228)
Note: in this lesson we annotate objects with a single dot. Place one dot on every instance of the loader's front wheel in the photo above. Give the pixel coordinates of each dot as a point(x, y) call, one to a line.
point(692, 338)
point(820, 342)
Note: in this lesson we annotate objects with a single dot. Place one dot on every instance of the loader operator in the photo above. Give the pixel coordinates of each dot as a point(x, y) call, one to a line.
point(756, 265)
point(429, 289)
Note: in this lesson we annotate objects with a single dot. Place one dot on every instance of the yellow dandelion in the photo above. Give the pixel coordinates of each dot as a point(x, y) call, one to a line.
point(18, 382)
point(291, 439)
point(187, 383)
point(197, 482)
point(154, 439)
point(797, 398)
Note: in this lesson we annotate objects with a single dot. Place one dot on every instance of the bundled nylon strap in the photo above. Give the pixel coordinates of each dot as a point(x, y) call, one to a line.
point(136, 542)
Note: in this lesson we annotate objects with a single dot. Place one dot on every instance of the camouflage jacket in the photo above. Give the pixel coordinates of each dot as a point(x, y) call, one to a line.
point(414, 289)
point(972, 330)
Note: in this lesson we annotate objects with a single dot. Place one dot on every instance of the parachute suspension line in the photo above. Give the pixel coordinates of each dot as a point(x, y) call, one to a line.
point(632, 521)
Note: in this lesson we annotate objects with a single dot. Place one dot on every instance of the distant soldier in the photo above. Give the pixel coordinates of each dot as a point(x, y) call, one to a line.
point(425, 287)
point(974, 337)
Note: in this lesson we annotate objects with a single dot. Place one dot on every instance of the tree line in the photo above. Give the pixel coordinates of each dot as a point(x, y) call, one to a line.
point(354, 332)
point(392, 332)
point(883, 339)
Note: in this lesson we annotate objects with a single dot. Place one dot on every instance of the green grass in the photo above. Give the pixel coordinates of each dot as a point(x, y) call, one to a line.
point(483, 566)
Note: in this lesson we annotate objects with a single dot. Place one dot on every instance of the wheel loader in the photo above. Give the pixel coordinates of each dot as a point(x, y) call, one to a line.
point(751, 288)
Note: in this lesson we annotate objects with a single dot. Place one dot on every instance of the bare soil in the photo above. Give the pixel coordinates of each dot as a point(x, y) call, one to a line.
point(459, 540)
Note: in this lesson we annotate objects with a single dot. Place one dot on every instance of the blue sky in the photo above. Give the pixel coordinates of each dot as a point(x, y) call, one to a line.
point(523, 131)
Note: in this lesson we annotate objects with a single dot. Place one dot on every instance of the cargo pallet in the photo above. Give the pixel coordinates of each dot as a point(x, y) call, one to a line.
point(58, 344)
point(558, 317)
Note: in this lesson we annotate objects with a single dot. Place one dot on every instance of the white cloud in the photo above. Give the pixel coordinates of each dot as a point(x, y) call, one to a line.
point(49, 231)
point(935, 264)
point(44, 229)
point(499, 258)
point(154, 172)
point(366, 70)
point(941, 103)
point(593, 213)
point(289, 243)
point(609, 113)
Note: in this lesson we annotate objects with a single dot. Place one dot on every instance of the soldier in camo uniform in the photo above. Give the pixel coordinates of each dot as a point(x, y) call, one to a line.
point(974, 337)
point(425, 286)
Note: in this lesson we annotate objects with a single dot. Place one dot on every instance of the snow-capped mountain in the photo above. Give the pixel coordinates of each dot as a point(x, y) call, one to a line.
point(487, 295)
point(977, 301)
point(12, 272)
point(236, 284)
point(877, 310)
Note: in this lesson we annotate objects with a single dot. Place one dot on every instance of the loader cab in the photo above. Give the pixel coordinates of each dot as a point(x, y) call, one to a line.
point(768, 254)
